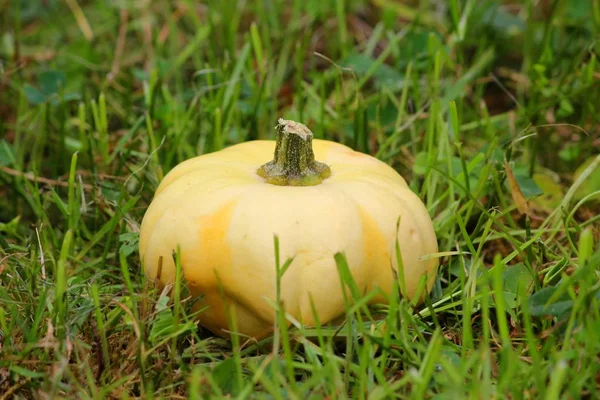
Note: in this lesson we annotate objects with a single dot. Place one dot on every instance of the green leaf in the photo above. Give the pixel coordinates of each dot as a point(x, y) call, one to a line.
point(526, 183)
point(72, 96)
point(539, 303)
point(34, 95)
point(517, 279)
point(565, 108)
point(528, 186)
point(111, 191)
point(12, 226)
point(570, 152)
point(518, 282)
point(129, 243)
point(164, 323)
point(384, 75)
point(51, 81)
point(223, 375)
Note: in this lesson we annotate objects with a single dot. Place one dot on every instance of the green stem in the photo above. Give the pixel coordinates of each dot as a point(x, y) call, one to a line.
point(294, 161)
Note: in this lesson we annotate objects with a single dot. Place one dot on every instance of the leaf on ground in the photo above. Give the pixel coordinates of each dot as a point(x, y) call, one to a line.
point(384, 75)
point(223, 375)
point(527, 185)
point(129, 243)
point(34, 95)
point(51, 81)
point(517, 279)
point(539, 304)
point(518, 282)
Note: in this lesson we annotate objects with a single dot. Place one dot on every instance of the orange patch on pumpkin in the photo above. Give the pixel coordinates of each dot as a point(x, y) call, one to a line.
point(214, 253)
point(353, 153)
point(202, 267)
point(376, 251)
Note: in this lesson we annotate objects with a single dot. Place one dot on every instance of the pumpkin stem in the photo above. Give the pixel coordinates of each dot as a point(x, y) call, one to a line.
point(294, 161)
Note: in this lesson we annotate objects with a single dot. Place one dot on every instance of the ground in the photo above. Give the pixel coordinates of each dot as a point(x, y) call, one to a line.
point(488, 109)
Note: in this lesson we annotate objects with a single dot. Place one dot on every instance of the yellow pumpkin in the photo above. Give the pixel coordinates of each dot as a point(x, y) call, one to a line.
point(223, 209)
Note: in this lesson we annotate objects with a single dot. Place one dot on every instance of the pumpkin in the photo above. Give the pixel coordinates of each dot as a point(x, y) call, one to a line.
point(221, 212)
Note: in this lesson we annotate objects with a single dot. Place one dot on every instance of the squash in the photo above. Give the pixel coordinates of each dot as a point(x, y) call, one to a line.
point(222, 210)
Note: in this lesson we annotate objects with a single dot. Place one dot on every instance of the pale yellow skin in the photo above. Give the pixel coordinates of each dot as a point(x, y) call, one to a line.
point(223, 216)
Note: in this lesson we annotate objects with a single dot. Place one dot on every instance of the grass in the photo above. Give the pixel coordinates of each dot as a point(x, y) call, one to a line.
point(489, 109)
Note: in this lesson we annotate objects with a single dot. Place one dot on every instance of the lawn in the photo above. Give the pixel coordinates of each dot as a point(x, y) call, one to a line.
point(489, 109)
